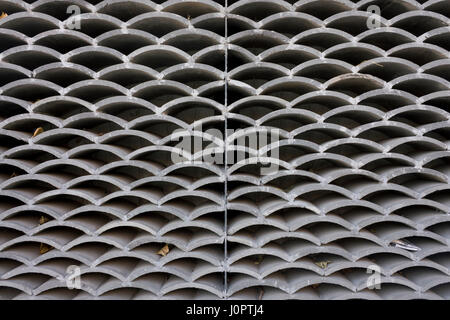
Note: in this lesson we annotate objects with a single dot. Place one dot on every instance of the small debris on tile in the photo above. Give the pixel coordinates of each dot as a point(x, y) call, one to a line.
point(38, 131)
point(42, 220)
point(322, 264)
point(44, 248)
point(404, 244)
point(261, 294)
point(164, 250)
point(258, 259)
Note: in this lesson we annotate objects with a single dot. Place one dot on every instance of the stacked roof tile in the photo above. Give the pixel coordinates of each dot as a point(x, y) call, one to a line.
point(348, 108)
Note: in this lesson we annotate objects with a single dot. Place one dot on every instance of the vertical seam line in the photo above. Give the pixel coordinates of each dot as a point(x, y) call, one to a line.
point(226, 155)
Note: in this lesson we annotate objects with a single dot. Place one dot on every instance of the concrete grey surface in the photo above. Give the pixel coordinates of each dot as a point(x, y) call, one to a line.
point(363, 121)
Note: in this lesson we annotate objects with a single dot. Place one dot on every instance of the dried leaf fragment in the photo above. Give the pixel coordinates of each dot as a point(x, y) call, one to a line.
point(44, 248)
point(38, 131)
point(3, 15)
point(43, 220)
point(322, 264)
point(164, 250)
point(258, 259)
